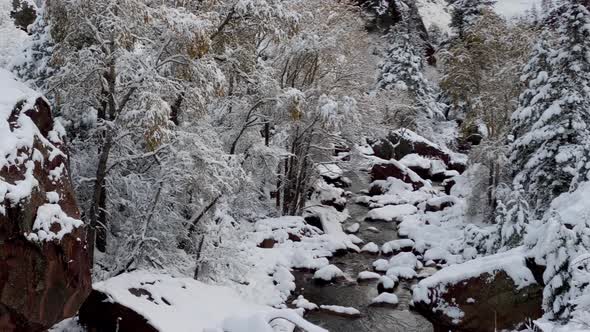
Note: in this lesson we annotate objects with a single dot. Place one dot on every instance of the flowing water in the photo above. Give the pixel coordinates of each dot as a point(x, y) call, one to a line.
point(359, 295)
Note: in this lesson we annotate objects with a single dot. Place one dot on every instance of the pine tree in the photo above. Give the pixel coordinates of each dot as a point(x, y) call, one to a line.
point(466, 13)
point(512, 217)
point(550, 125)
point(550, 153)
point(403, 69)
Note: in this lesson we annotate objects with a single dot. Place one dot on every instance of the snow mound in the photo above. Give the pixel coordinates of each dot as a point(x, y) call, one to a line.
point(303, 303)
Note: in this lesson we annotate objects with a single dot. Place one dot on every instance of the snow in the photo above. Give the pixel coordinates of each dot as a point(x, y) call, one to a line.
point(387, 282)
point(373, 229)
point(401, 272)
point(367, 275)
point(573, 207)
point(328, 273)
point(391, 212)
point(396, 245)
point(355, 239)
point(370, 247)
point(12, 39)
point(341, 310)
point(184, 304)
point(435, 13)
point(381, 265)
point(48, 216)
point(303, 303)
point(331, 171)
point(416, 160)
point(354, 228)
point(385, 297)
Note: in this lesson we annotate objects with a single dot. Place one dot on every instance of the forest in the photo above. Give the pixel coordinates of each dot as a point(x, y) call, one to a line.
point(294, 165)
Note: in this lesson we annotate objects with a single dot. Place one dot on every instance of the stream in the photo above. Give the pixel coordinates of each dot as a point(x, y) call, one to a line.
point(359, 295)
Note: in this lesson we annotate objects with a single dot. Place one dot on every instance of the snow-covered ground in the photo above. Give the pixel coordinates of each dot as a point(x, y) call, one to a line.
point(11, 38)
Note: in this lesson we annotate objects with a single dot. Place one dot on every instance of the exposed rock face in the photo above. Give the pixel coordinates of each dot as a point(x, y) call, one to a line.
point(113, 316)
point(45, 257)
point(481, 297)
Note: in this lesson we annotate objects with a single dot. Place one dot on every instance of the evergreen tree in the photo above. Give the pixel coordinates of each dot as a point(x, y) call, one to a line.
point(466, 13)
point(512, 217)
point(404, 69)
point(550, 125)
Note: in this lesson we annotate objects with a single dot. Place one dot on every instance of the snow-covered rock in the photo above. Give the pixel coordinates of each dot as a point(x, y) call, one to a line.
point(354, 228)
point(385, 299)
point(341, 311)
point(395, 246)
point(386, 284)
point(303, 303)
point(391, 213)
point(144, 301)
point(484, 294)
point(368, 275)
point(370, 247)
point(328, 273)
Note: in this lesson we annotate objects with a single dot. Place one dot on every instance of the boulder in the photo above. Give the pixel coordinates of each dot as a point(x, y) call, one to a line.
point(488, 294)
point(408, 142)
point(396, 170)
point(45, 250)
point(100, 314)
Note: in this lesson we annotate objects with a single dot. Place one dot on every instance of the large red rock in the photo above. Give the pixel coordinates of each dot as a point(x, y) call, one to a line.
point(45, 255)
point(489, 294)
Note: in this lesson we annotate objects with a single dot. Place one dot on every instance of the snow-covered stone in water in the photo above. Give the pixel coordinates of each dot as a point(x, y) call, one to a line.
point(401, 272)
point(331, 171)
point(341, 311)
point(303, 303)
point(386, 284)
point(355, 239)
point(370, 247)
point(354, 228)
point(373, 229)
point(396, 246)
point(394, 169)
point(415, 160)
point(391, 213)
point(484, 294)
point(404, 259)
point(328, 273)
point(385, 298)
point(441, 256)
point(368, 275)
point(381, 265)
point(426, 272)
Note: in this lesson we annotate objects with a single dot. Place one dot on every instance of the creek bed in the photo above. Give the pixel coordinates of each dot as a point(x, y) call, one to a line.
point(359, 295)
